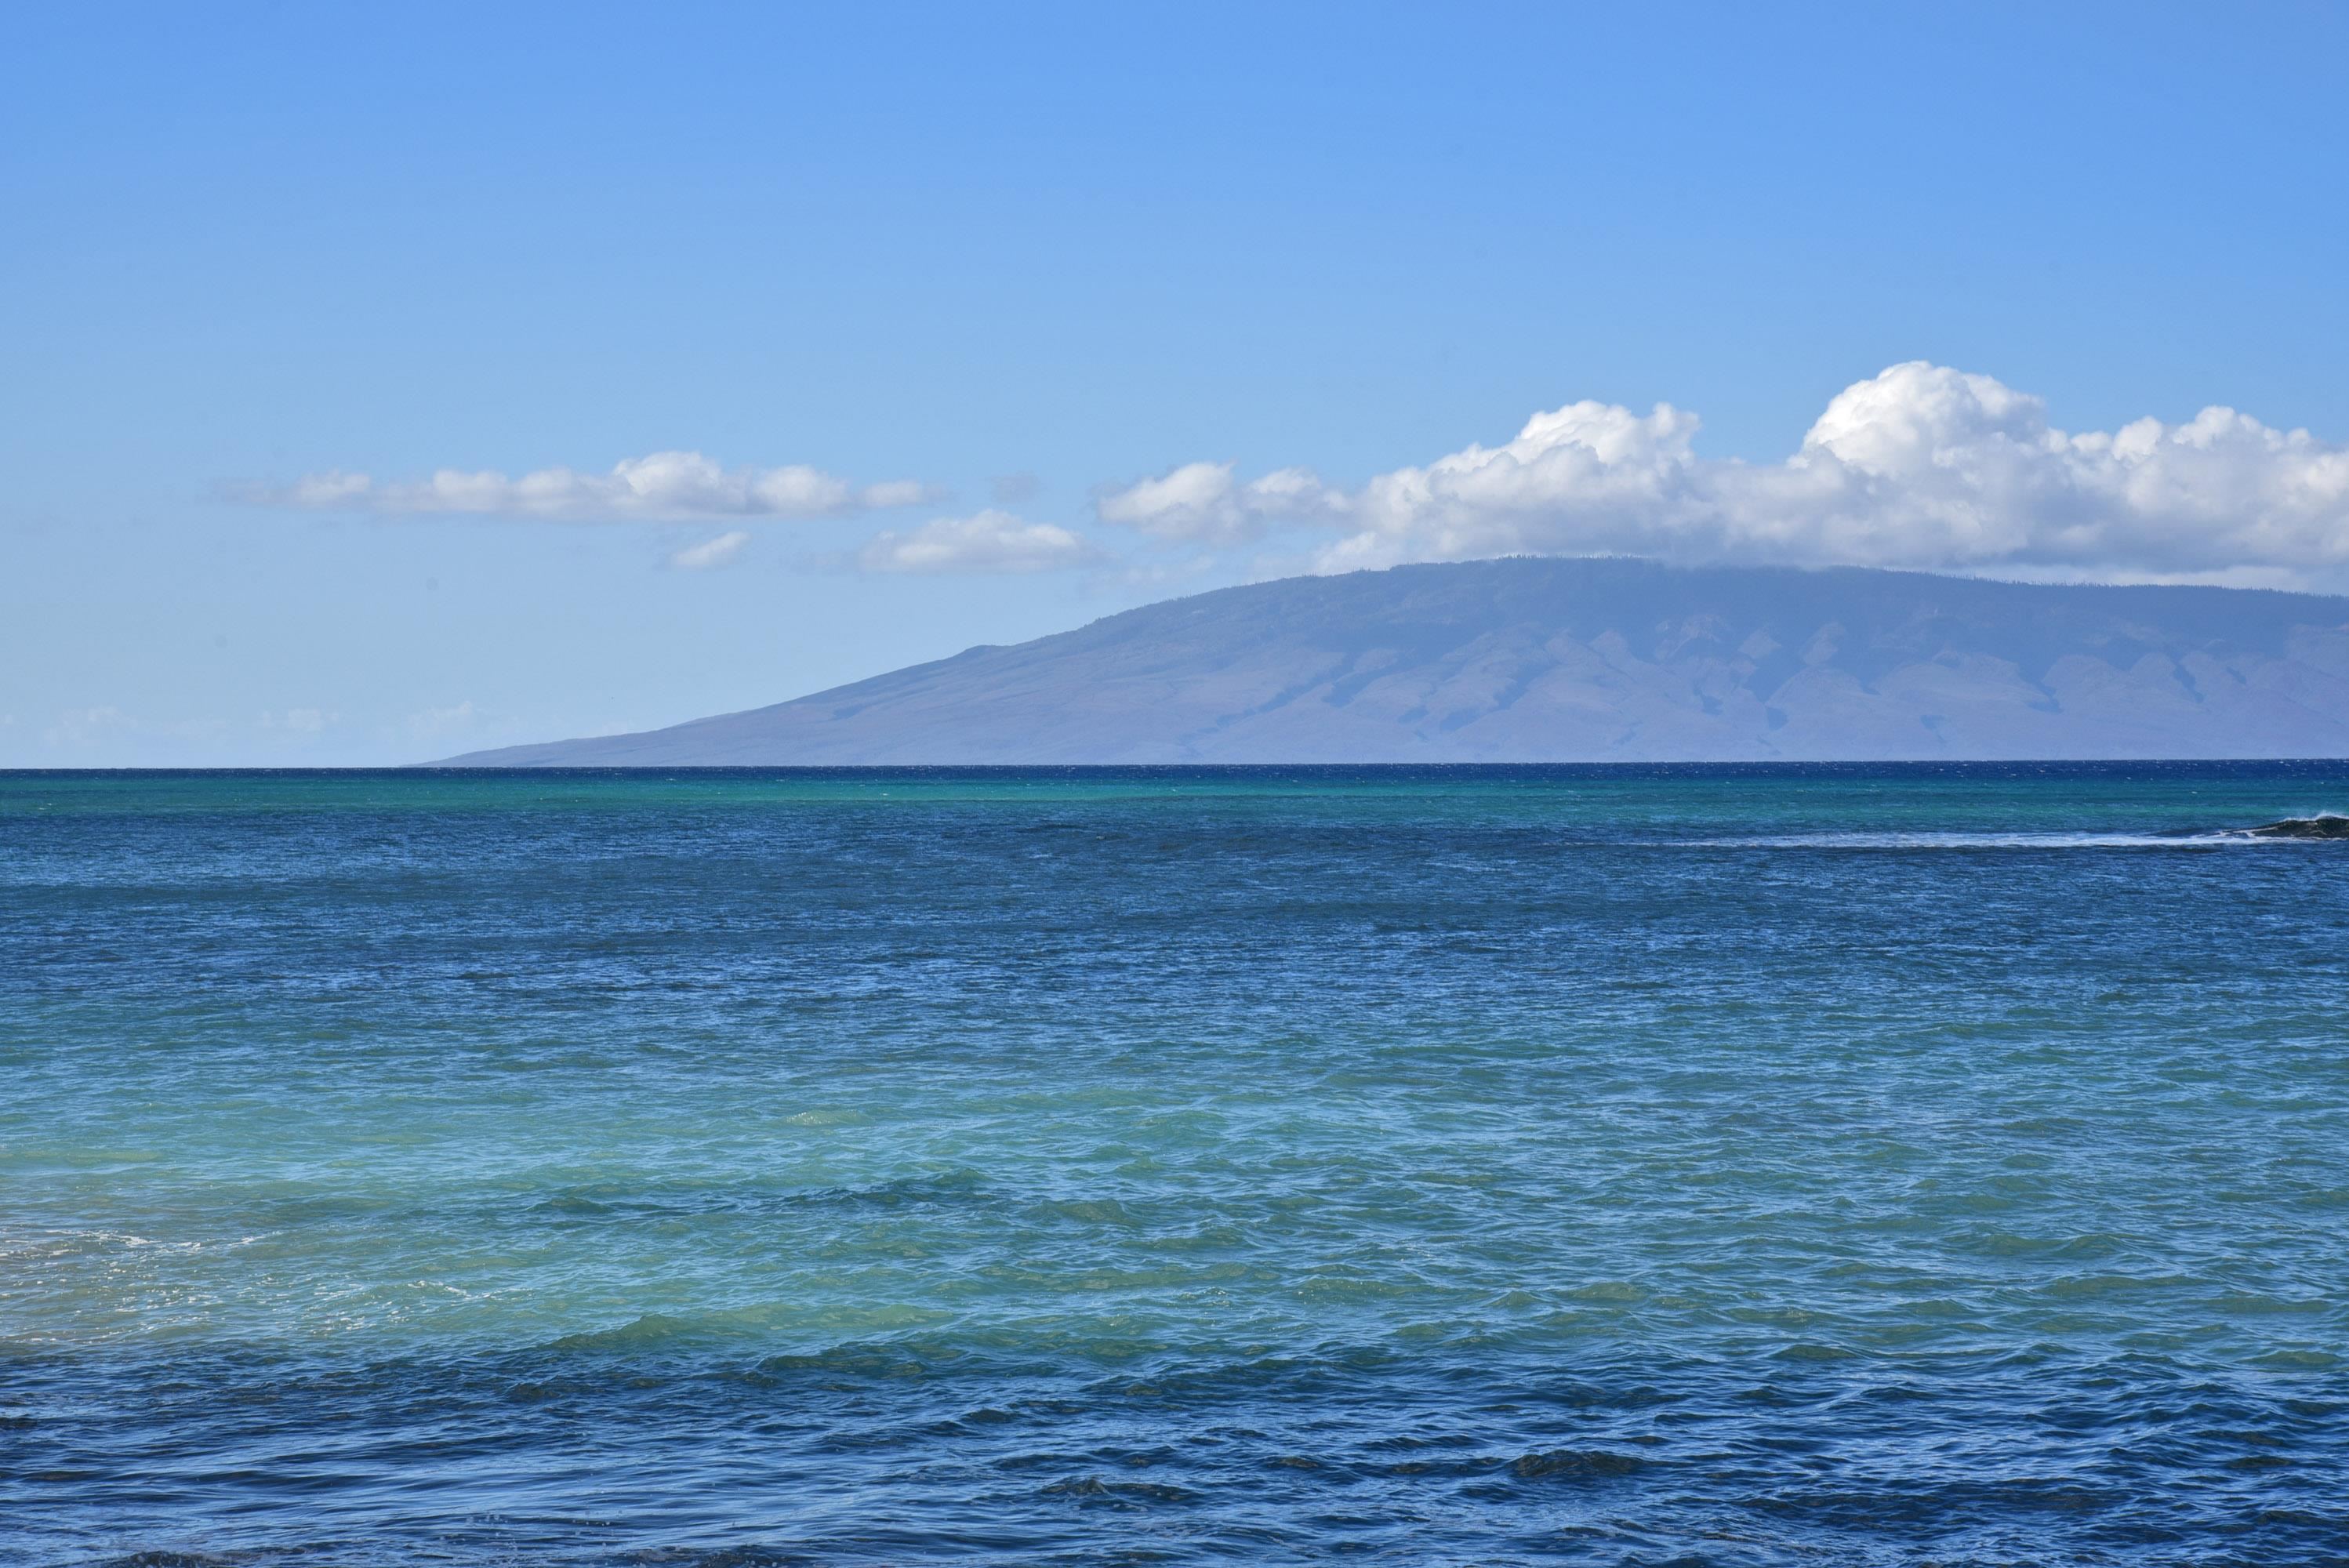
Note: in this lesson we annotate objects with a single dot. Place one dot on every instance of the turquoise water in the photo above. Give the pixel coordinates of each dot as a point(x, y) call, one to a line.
point(1658, 1165)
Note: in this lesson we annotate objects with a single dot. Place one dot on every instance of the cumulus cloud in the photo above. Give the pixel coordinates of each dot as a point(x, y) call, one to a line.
point(710, 553)
point(1205, 504)
point(991, 540)
point(1921, 466)
point(664, 487)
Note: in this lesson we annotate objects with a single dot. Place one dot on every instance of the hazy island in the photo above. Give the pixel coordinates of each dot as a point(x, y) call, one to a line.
point(1544, 660)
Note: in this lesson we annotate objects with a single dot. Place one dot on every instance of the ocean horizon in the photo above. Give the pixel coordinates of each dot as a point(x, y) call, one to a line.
point(1626, 1163)
point(749, 818)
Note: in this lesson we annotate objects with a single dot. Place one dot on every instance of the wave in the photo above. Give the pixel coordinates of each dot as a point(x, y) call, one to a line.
point(2323, 826)
point(1857, 839)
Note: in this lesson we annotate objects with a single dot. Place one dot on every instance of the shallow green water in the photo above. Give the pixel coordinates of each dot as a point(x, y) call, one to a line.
point(1437, 1165)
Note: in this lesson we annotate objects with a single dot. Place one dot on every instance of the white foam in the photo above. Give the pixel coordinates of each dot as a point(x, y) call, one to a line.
point(1850, 839)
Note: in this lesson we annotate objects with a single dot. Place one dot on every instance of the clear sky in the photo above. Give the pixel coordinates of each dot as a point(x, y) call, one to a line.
point(963, 324)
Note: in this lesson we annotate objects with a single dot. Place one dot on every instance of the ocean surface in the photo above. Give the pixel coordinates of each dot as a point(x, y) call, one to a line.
point(1646, 1165)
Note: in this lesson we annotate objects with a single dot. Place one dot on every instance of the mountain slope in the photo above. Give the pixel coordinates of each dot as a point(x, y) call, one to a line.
point(1590, 660)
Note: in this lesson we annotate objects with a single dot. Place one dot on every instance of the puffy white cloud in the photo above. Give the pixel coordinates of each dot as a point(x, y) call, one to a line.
point(1921, 466)
point(710, 553)
point(991, 540)
point(664, 487)
point(1204, 502)
point(1586, 468)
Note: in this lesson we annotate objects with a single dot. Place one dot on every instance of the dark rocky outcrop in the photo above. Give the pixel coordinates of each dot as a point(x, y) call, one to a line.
point(2325, 826)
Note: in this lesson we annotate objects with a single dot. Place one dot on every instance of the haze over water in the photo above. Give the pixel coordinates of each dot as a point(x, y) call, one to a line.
point(1732, 1165)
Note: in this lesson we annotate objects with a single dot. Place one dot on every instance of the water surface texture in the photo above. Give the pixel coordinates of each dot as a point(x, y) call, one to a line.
point(1649, 1165)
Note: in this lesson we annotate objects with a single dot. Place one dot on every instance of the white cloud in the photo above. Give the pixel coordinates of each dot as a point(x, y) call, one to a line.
point(991, 540)
point(664, 487)
point(1204, 502)
point(893, 493)
point(710, 553)
point(1920, 466)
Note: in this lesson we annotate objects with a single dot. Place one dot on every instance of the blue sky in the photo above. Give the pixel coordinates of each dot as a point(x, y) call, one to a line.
point(1024, 260)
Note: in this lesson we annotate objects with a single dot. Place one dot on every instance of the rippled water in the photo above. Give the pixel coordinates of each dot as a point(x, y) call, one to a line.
point(1668, 1165)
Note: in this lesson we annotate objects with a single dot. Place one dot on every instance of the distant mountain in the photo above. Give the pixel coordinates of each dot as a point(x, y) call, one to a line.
point(1605, 660)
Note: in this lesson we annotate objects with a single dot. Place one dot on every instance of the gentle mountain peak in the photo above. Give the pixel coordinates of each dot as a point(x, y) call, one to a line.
point(1545, 660)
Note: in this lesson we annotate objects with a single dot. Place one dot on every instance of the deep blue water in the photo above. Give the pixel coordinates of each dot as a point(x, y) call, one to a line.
point(1799, 1165)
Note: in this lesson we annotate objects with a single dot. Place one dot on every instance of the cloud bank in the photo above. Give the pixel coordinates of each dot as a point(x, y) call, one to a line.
point(664, 487)
point(991, 540)
point(1921, 466)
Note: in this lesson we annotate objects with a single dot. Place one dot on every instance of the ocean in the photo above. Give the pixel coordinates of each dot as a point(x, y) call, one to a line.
point(1687, 1165)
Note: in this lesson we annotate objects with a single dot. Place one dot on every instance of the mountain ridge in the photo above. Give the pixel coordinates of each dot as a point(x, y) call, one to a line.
point(1534, 659)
